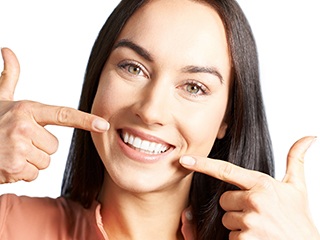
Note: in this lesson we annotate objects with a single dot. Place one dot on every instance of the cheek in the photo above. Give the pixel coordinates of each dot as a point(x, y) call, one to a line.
point(200, 138)
point(107, 100)
point(201, 129)
point(107, 103)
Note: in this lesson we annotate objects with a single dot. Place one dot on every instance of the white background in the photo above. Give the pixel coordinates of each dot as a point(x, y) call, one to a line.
point(53, 39)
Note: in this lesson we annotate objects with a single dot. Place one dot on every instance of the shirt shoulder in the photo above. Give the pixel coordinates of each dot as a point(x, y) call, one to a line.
point(23, 217)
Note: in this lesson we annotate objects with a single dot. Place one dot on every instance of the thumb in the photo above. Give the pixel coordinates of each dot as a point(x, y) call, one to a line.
point(295, 161)
point(10, 74)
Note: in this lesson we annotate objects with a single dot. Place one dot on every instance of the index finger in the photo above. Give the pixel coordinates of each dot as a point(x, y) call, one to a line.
point(243, 178)
point(68, 117)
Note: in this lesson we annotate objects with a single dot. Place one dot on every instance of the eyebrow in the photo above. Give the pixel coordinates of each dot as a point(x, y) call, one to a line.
point(138, 49)
point(211, 70)
point(147, 56)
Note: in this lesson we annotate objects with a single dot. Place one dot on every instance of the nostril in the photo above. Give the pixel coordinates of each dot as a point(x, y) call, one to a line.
point(152, 106)
point(152, 113)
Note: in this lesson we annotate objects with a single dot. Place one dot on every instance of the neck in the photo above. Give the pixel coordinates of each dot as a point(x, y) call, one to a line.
point(153, 215)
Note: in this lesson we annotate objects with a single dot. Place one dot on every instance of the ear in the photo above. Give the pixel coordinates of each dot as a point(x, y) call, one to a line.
point(222, 130)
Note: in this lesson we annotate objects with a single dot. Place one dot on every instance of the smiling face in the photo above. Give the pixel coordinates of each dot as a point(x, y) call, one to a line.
point(164, 90)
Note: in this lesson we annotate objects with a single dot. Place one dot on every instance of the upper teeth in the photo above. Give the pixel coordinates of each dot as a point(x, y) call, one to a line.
point(144, 145)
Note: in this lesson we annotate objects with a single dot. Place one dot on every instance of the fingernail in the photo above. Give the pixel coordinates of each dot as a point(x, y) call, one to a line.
point(312, 141)
point(101, 125)
point(189, 215)
point(187, 160)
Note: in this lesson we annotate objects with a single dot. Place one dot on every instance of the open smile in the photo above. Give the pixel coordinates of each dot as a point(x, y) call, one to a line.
point(144, 143)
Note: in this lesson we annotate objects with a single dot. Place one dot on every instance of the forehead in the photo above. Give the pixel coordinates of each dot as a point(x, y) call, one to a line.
point(193, 30)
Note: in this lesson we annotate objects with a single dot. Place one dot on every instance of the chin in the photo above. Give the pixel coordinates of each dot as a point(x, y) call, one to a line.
point(137, 181)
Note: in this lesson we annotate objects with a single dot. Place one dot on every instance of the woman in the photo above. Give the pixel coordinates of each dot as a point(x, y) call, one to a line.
point(190, 71)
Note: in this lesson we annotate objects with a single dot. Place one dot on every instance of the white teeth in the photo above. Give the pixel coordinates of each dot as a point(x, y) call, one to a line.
point(152, 146)
point(144, 145)
point(126, 137)
point(158, 147)
point(137, 142)
point(130, 140)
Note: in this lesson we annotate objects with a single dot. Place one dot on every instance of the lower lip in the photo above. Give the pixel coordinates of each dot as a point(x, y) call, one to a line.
point(141, 156)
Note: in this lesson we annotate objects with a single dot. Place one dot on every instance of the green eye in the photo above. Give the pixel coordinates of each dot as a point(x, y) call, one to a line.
point(135, 70)
point(193, 89)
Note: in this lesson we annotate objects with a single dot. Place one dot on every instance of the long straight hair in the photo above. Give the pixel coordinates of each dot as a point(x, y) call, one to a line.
point(246, 143)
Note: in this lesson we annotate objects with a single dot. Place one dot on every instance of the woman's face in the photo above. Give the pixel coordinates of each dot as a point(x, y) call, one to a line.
point(164, 90)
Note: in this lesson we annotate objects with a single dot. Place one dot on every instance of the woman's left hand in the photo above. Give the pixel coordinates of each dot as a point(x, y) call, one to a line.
point(263, 208)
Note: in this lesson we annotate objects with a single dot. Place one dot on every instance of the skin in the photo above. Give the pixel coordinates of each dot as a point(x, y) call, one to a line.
point(263, 208)
point(160, 99)
point(27, 145)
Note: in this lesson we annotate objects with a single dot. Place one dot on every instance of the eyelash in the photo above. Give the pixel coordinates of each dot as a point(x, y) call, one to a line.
point(126, 64)
point(194, 83)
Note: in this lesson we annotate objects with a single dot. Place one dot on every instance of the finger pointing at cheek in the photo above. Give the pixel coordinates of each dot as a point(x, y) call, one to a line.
point(69, 117)
point(225, 171)
point(25, 143)
point(262, 202)
point(246, 179)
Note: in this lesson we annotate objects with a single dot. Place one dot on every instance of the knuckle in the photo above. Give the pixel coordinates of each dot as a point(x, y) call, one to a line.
point(21, 107)
point(225, 219)
point(4, 73)
point(43, 162)
point(20, 128)
point(47, 162)
point(15, 167)
point(266, 182)
point(20, 149)
point(225, 171)
point(52, 146)
point(204, 165)
point(32, 176)
point(293, 156)
point(15, 163)
point(223, 199)
point(249, 221)
point(18, 119)
point(254, 201)
point(85, 119)
point(63, 115)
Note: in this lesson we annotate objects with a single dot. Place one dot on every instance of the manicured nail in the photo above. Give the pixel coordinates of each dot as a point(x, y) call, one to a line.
point(101, 125)
point(187, 160)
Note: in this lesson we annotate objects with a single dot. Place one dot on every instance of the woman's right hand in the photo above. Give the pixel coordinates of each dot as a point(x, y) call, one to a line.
point(25, 145)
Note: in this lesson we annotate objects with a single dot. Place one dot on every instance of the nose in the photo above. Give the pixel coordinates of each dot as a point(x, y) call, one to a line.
point(153, 106)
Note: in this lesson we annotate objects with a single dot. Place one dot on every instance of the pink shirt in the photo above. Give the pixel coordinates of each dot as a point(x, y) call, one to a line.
point(49, 219)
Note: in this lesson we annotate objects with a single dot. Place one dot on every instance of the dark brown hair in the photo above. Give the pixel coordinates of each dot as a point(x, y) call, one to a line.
point(247, 141)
